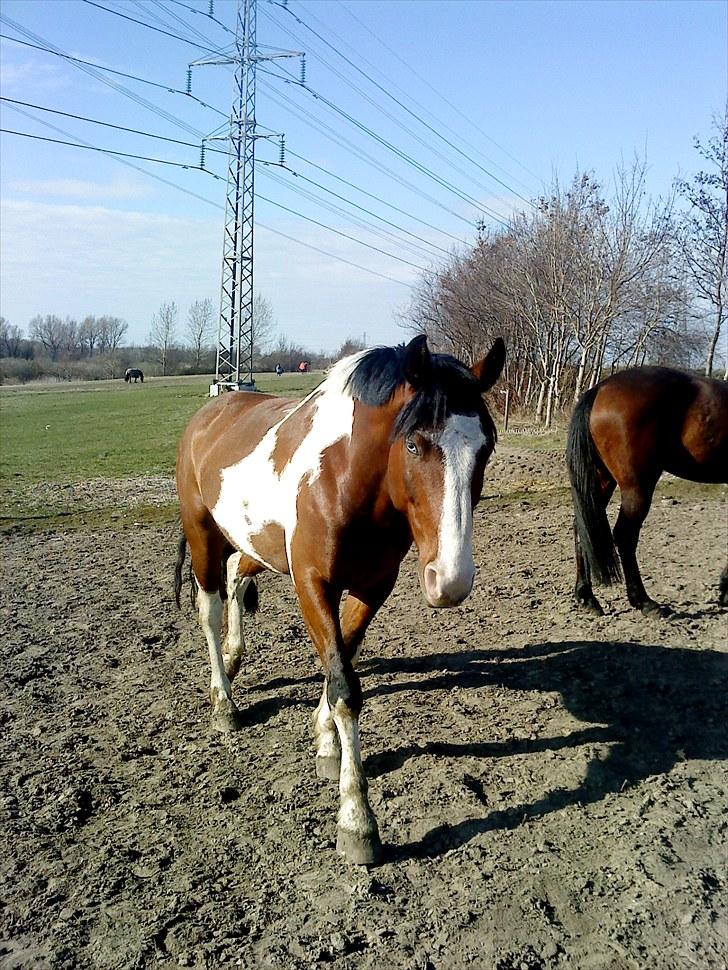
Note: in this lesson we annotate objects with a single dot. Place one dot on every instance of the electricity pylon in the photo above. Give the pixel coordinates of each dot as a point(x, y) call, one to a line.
point(234, 366)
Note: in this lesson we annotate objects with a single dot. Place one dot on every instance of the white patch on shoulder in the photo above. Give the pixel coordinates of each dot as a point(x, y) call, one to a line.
point(460, 441)
point(253, 496)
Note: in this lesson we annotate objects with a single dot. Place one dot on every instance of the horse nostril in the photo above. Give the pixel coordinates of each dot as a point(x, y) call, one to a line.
point(431, 582)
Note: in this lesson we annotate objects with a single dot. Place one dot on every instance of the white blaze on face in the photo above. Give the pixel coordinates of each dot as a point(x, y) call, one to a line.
point(449, 578)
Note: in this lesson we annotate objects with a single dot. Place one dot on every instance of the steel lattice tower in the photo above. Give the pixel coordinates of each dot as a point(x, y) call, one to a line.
point(234, 367)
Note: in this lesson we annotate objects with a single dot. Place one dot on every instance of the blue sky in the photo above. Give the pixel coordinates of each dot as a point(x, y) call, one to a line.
point(517, 90)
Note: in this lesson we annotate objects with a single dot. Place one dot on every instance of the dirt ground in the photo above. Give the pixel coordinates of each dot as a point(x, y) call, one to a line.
point(550, 786)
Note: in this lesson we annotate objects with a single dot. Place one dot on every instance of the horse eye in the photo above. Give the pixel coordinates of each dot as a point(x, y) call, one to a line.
point(411, 446)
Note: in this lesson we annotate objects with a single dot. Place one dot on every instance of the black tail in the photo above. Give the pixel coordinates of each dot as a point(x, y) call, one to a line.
point(181, 551)
point(592, 525)
point(250, 597)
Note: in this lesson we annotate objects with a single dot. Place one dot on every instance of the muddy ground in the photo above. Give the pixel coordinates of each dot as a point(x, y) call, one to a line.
point(551, 787)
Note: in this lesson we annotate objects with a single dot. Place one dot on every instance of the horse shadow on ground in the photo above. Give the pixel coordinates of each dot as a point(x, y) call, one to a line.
point(655, 706)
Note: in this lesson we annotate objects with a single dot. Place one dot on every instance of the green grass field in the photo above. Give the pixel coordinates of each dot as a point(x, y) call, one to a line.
point(106, 429)
point(52, 435)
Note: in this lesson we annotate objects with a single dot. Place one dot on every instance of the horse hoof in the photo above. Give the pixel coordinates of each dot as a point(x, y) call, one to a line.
point(591, 604)
point(650, 608)
point(227, 721)
point(328, 767)
point(358, 848)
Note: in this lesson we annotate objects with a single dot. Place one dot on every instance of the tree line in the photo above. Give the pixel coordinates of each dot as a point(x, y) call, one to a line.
point(94, 348)
point(588, 279)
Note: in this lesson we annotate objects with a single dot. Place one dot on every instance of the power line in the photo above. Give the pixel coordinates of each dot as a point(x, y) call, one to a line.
point(108, 151)
point(108, 124)
point(393, 85)
point(159, 30)
point(339, 232)
point(390, 237)
point(423, 169)
point(358, 152)
point(426, 144)
point(404, 107)
point(369, 212)
point(424, 81)
point(153, 175)
point(101, 67)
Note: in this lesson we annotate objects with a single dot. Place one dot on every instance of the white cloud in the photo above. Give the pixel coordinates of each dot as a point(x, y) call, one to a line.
point(81, 189)
point(76, 260)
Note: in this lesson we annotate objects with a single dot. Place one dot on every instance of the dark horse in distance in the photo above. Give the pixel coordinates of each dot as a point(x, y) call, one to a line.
point(332, 490)
point(627, 431)
point(133, 374)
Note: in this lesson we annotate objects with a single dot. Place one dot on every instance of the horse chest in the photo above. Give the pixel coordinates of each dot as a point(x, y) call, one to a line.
point(257, 506)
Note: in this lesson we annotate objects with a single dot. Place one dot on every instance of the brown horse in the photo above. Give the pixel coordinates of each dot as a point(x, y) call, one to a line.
point(626, 431)
point(333, 490)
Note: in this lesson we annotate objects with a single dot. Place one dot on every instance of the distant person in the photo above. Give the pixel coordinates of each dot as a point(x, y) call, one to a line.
point(279, 370)
point(303, 367)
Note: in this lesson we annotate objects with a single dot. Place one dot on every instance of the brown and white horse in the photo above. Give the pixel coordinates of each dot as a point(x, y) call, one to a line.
point(333, 490)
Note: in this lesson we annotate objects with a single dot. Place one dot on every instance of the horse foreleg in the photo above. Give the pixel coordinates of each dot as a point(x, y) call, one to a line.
point(635, 504)
point(358, 835)
point(225, 715)
point(723, 588)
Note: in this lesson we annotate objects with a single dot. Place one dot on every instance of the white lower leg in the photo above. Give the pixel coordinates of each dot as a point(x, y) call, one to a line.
point(210, 612)
point(355, 815)
point(328, 749)
point(234, 645)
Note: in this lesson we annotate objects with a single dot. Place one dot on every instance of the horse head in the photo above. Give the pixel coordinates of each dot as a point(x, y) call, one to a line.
point(442, 439)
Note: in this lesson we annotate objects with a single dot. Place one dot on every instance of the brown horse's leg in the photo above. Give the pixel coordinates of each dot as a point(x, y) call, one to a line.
point(358, 835)
point(583, 590)
point(356, 616)
point(636, 501)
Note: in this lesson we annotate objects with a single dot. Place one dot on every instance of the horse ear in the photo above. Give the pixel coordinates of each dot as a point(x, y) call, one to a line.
point(488, 370)
point(417, 362)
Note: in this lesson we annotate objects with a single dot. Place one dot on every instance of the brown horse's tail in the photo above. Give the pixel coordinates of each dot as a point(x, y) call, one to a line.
point(590, 513)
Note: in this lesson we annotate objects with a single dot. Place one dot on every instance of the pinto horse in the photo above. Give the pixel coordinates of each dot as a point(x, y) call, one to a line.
point(626, 431)
point(133, 374)
point(391, 448)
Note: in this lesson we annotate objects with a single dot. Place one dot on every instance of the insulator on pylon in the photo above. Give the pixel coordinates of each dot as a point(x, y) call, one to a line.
point(303, 68)
point(212, 5)
point(202, 154)
point(189, 80)
point(282, 151)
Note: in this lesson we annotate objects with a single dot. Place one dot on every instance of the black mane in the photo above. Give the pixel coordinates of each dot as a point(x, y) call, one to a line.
point(451, 389)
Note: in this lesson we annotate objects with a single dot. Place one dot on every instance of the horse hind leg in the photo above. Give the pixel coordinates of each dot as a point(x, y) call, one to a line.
point(723, 587)
point(326, 738)
point(225, 715)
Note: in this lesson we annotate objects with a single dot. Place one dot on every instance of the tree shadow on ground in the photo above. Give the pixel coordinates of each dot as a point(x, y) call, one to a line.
point(654, 705)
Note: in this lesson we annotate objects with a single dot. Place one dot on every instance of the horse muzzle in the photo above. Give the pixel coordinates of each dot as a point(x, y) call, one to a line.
point(442, 590)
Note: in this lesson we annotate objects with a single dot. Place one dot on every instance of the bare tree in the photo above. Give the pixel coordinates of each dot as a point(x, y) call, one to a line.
point(89, 333)
point(262, 325)
point(111, 332)
point(11, 339)
point(199, 327)
point(49, 331)
point(705, 231)
point(163, 332)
